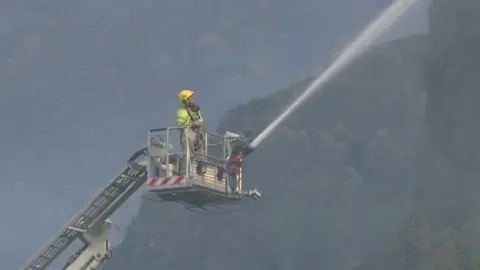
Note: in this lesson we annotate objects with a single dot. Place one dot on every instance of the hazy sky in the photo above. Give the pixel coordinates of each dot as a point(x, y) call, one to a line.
point(82, 82)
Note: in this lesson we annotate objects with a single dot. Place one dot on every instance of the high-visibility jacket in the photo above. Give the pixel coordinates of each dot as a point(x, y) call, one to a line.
point(186, 117)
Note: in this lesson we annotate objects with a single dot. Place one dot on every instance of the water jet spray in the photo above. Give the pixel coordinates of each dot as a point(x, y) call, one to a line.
point(351, 52)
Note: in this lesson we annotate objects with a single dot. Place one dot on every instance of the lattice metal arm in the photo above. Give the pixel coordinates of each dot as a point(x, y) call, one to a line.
point(95, 213)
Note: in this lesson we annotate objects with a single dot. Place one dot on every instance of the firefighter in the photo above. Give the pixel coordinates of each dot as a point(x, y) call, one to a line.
point(190, 119)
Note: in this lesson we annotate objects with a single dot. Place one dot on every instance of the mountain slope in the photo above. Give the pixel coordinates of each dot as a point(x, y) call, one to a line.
point(335, 178)
point(442, 231)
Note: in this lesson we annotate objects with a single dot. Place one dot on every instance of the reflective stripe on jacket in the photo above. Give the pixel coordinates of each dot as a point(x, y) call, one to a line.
point(185, 119)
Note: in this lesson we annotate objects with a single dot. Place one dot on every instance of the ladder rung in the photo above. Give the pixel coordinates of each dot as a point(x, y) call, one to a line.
point(77, 229)
point(45, 257)
point(54, 247)
point(117, 185)
point(97, 204)
point(61, 244)
point(106, 196)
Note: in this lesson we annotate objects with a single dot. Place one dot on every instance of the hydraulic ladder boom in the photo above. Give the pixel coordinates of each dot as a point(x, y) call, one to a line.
point(93, 217)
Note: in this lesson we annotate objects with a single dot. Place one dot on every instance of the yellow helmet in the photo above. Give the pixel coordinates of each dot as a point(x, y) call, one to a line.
point(184, 95)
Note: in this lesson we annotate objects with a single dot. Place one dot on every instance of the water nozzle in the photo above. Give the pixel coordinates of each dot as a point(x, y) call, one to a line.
point(247, 150)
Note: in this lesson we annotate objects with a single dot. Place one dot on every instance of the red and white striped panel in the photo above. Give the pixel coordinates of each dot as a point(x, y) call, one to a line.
point(166, 181)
